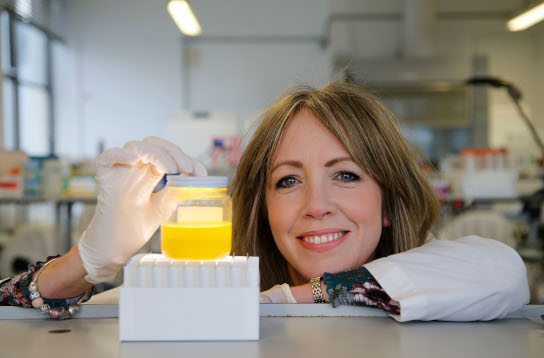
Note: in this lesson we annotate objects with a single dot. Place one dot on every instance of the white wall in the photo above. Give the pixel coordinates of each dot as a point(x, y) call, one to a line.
point(126, 63)
point(241, 77)
point(123, 59)
point(250, 51)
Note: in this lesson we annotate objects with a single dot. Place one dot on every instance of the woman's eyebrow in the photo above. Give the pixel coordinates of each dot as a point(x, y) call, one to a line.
point(334, 161)
point(298, 164)
point(292, 163)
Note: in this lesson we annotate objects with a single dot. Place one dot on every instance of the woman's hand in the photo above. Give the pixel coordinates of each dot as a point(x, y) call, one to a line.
point(128, 212)
point(278, 294)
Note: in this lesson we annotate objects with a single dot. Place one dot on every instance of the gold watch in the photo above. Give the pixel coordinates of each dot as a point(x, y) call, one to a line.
point(316, 290)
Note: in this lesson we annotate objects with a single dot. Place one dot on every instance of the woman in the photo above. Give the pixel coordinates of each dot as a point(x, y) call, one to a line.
point(327, 187)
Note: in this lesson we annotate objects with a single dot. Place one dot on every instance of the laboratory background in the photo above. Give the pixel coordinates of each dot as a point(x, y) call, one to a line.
point(81, 76)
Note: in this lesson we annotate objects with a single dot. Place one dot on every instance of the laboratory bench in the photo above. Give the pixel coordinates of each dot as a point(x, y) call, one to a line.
point(283, 337)
point(297, 330)
point(63, 207)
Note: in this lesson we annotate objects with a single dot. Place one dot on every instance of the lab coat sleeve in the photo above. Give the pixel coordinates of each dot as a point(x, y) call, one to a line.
point(467, 279)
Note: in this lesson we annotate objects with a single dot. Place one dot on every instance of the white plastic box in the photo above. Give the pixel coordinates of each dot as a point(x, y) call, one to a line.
point(174, 300)
point(489, 184)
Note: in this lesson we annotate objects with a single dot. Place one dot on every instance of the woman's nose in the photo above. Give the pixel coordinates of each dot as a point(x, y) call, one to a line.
point(317, 203)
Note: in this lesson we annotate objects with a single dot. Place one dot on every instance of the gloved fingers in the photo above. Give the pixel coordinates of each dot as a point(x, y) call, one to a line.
point(276, 294)
point(151, 154)
point(288, 294)
point(185, 164)
point(263, 298)
point(166, 204)
point(199, 168)
point(116, 156)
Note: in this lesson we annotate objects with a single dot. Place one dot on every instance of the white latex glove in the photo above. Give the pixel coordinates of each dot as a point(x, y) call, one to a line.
point(278, 294)
point(128, 212)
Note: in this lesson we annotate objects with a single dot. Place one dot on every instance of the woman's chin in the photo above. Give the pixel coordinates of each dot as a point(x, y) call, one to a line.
point(309, 266)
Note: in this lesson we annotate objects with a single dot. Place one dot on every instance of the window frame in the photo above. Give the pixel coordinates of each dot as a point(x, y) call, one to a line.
point(11, 73)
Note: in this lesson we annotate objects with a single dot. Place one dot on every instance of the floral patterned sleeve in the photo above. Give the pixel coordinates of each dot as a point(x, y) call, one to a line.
point(359, 288)
point(14, 290)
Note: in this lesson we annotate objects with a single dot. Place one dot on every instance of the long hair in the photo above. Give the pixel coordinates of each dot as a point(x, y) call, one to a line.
point(370, 134)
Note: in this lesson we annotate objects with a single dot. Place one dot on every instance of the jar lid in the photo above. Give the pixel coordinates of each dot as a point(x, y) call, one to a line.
point(194, 181)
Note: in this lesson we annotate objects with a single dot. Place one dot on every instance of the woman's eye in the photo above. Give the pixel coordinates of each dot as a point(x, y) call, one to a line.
point(348, 177)
point(286, 182)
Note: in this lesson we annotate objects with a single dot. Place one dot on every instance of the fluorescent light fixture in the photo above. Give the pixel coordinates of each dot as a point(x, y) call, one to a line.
point(181, 12)
point(527, 19)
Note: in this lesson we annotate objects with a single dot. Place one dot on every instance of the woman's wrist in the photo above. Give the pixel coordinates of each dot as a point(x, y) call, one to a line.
point(324, 291)
point(303, 293)
point(64, 278)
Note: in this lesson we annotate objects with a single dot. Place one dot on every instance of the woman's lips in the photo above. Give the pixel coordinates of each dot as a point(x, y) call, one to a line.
point(323, 240)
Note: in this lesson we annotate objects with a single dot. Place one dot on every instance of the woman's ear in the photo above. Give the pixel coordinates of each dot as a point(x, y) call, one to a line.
point(385, 221)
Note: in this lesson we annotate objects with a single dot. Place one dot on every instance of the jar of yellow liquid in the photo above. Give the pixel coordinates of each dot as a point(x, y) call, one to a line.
point(200, 226)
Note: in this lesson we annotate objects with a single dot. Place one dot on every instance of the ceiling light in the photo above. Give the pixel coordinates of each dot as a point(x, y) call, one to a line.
point(528, 18)
point(181, 12)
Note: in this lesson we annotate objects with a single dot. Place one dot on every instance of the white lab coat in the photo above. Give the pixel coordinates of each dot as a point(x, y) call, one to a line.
point(467, 279)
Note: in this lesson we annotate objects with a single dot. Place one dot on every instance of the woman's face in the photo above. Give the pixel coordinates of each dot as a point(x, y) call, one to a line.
point(324, 211)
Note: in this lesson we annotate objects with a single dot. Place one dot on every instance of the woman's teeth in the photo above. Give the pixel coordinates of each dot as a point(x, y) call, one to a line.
point(323, 238)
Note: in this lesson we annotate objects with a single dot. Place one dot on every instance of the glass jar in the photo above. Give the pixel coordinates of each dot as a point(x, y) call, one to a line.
point(200, 226)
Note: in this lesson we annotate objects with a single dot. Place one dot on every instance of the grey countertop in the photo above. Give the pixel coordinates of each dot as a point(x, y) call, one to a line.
point(285, 336)
point(298, 330)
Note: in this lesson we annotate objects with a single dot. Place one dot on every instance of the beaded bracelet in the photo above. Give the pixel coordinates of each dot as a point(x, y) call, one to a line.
point(55, 312)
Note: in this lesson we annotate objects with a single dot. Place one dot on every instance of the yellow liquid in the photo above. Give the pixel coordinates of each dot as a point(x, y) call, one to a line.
point(196, 241)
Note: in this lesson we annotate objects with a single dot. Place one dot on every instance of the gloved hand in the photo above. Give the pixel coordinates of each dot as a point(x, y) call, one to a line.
point(128, 212)
point(278, 294)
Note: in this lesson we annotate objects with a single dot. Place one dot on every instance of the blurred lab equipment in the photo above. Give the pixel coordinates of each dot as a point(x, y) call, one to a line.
point(484, 223)
point(531, 249)
point(56, 173)
point(11, 173)
point(486, 174)
point(480, 173)
point(532, 207)
point(224, 156)
point(11, 159)
point(27, 245)
point(515, 94)
point(46, 177)
point(11, 183)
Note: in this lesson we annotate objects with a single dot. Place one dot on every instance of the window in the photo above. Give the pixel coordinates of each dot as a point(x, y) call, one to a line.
point(26, 85)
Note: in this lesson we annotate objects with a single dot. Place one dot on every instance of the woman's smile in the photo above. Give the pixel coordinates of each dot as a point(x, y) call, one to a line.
point(322, 240)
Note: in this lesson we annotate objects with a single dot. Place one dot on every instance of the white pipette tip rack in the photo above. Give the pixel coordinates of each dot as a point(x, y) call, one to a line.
point(175, 300)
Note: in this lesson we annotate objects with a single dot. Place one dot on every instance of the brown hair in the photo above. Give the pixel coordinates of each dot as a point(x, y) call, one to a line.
point(371, 136)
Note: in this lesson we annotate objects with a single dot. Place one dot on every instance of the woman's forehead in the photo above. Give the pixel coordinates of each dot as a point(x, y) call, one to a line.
point(306, 138)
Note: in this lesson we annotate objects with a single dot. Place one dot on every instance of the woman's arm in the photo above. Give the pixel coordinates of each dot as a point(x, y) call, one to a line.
point(463, 280)
point(354, 287)
point(64, 277)
point(467, 279)
point(303, 293)
point(127, 214)
point(61, 283)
